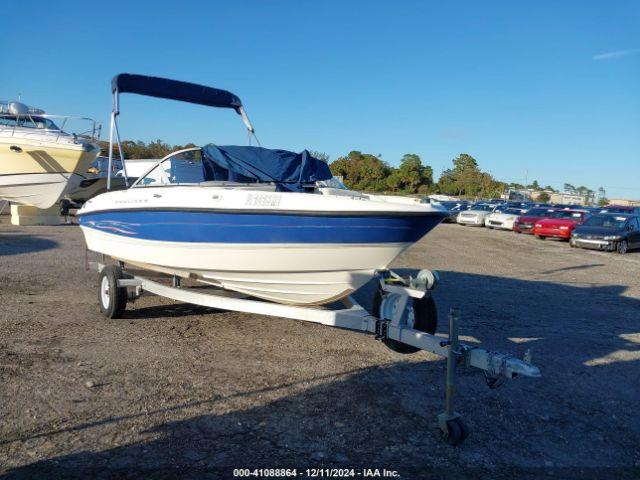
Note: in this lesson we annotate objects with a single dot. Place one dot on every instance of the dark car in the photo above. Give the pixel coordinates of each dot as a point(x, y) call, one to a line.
point(527, 220)
point(608, 231)
point(620, 209)
point(454, 209)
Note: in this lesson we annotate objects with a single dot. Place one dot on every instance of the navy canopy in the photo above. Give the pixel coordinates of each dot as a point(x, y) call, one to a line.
point(175, 90)
point(289, 170)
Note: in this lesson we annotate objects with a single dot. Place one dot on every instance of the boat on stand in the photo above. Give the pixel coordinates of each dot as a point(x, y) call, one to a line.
point(39, 159)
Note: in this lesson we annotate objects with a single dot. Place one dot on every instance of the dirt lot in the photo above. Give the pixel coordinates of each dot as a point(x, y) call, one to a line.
point(176, 390)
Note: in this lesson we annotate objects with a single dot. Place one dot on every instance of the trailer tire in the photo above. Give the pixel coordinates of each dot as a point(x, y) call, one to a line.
point(425, 315)
point(112, 299)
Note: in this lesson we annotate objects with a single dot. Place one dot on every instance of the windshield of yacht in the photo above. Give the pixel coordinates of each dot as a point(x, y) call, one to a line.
point(28, 121)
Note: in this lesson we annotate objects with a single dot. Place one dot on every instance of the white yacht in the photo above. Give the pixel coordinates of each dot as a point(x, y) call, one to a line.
point(39, 160)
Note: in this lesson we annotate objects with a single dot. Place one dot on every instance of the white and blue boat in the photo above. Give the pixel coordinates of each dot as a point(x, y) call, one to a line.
point(272, 224)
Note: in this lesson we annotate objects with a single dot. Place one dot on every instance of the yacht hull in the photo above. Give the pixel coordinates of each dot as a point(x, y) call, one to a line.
point(38, 172)
point(301, 258)
point(41, 190)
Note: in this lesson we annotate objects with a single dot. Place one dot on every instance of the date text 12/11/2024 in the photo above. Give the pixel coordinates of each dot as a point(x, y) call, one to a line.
point(316, 473)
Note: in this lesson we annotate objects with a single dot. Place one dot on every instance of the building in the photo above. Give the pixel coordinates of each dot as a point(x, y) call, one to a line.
point(568, 198)
point(624, 202)
point(517, 194)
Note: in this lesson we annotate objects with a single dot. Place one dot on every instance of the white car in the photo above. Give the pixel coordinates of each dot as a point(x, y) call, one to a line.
point(503, 220)
point(477, 214)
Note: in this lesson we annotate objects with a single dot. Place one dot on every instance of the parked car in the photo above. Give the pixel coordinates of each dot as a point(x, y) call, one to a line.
point(526, 222)
point(560, 224)
point(476, 214)
point(620, 209)
point(608, 231)
point(503, 219)
point(454, 209)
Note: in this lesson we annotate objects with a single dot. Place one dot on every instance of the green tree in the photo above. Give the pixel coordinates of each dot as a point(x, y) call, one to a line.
point(360, 171)
point(320, 155)
point(447, 182)
point(535, 185)
point(602, 197)
point(543, 197)
point(466, 178)
point(413, 175)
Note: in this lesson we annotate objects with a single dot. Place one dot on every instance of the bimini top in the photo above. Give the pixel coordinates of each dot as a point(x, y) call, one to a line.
point(289, 170)
point(175, 90)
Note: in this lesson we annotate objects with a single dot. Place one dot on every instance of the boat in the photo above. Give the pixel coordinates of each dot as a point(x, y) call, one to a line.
point(39, 160)
point(94, 182)
point(271, 224)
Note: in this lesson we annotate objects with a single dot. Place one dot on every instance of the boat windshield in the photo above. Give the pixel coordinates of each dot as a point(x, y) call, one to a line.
point(181, 168)
point(28, 121)
point(333, 182)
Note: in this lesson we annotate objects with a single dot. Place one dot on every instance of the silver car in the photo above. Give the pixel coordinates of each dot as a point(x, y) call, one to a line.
point(477, 214)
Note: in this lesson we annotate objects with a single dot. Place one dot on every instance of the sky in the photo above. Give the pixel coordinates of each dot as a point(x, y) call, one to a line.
point(544, 90)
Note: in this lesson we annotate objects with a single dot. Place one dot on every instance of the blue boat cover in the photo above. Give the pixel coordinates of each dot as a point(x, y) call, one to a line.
point(174, 90)
point(289, 170)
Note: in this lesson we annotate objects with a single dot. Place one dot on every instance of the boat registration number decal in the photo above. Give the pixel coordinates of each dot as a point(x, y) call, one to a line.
point(262, 200)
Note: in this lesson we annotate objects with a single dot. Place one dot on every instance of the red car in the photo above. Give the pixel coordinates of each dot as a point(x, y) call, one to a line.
point(560, 224)
point(525, 223)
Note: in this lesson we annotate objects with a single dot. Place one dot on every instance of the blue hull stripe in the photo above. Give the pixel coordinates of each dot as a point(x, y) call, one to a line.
point(215, 227)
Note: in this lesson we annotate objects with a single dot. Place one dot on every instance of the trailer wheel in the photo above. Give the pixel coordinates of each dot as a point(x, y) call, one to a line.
point(112, 299)
point(423, 315)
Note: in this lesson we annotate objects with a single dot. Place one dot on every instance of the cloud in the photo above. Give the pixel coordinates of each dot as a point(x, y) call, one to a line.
point(617, 54)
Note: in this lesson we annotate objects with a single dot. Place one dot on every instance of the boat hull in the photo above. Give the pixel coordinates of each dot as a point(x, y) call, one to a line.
point(302, 274)
point(41, 190)
point(303, 259)
point(36, 171)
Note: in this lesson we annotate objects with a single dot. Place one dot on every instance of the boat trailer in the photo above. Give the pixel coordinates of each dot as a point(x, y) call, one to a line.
point(406, 321)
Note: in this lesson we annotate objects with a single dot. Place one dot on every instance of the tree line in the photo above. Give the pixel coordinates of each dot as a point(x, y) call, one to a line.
point(369, 173)
point(366, 172)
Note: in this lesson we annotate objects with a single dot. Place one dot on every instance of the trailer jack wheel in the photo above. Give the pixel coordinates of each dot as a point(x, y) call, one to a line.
point(457, 432)
point(112, 298)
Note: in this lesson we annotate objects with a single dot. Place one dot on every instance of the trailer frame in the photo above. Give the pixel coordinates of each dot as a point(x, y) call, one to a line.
point(117, 287)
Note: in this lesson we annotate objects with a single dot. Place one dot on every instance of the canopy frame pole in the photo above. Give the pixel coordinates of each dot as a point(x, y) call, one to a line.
point(124, 166)
point(247, 123)
point(113, 128)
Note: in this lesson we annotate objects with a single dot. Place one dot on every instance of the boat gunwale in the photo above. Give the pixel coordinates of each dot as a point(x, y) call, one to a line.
point(254, 211)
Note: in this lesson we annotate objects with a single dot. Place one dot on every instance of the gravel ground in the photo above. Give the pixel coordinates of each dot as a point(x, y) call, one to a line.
point(175, 390)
